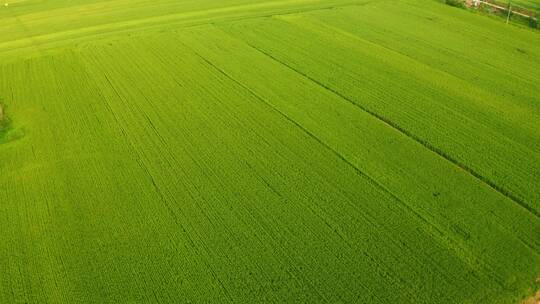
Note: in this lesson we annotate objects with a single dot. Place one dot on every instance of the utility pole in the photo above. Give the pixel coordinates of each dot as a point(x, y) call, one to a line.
point(509, 11)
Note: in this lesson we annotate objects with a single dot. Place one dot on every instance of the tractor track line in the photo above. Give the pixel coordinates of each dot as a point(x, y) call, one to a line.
point(410, 135)
point(439, 233)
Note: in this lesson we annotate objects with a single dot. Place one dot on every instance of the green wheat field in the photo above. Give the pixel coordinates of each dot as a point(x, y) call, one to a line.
point(267, 151)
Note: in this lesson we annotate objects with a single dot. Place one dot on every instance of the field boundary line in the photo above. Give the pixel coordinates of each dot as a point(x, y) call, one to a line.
point(437, 233)
point(303, 129)
point(415, 138)
point(436, 69)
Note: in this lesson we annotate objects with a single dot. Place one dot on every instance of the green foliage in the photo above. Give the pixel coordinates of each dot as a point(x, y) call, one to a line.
point(283, 151)
point(456, 3)
point(533, 22)
point(533, 5)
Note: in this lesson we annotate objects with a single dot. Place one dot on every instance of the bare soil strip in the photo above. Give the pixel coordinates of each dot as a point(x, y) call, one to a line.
point(533, 300)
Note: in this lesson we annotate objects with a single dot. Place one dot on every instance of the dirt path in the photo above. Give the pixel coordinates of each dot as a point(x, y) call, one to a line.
point(532, 300)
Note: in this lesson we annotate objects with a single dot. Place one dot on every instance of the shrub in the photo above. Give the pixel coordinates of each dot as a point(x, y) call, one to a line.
point(533, 23)
point(456, 3)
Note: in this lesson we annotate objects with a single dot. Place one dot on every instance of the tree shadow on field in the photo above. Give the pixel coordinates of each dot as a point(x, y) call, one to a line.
point(7, 133)
point(4, 121)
